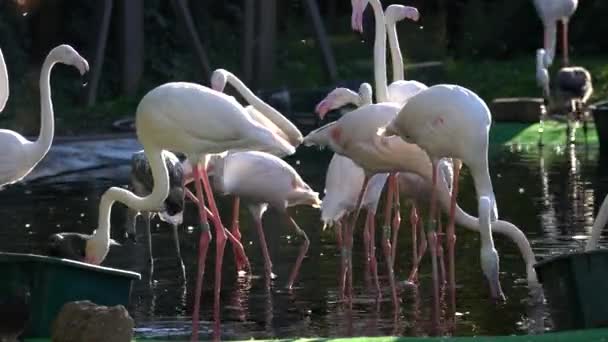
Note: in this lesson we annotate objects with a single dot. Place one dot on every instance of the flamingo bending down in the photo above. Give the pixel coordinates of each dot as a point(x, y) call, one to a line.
point(263, 179)
point(400, 90)
point(18, 155)
point(172, 210)
point(262, 113)
point(550, 12)
point(353, 135)
point(197, 121)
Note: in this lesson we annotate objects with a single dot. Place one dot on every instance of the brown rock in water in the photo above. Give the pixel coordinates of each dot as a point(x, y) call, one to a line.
point(85, 321)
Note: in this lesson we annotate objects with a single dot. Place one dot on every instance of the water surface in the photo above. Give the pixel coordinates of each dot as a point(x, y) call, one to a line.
point(551, 194)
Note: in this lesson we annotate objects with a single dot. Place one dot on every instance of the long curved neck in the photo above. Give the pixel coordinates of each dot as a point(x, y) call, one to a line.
point(47, 118)
point(396, 56)
point(380, 53)
point(483, 184)
point(598, 225)
point(4, 87)
point(295, 136)
point(498, 226)
point(152, 202)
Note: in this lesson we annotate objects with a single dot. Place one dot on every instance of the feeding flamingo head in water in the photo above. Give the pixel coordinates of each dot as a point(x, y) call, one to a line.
point(489, 255)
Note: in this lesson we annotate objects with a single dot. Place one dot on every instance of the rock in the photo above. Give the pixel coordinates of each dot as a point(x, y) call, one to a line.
point(86, 321)
point(522, 109)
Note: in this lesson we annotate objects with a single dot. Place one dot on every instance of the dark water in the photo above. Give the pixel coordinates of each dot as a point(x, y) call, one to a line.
point(550, 194)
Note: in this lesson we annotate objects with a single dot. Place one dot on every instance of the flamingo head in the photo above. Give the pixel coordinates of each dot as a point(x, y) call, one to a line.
point(336, 99)
point(219, 78)
point(357, 14)
point(489, 255)
point(96, 249)
point(66, 54)
point(396, 13)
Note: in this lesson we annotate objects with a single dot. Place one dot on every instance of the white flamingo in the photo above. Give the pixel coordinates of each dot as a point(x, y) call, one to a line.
point(400, 90)
point(550, 12)
point(264, 180)
point(18, 155)
point(353, 136)
point(197, 121)
point(262, 113)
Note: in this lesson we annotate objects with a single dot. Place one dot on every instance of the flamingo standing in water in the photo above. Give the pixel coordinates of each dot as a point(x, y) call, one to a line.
point(18, 155)
point(172, 210)
point(550, 12)
point(264, 180)
point(197, 121)
point(262, 113)
point(450, 121)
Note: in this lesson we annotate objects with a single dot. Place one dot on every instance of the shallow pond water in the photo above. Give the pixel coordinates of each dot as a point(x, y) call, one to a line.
point(551, 194)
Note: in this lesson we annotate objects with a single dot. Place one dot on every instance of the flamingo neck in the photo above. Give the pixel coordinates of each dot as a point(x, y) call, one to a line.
point(483, 184)
point(598, 225)
point(47, 118)
point(4, 86)
point(396, 56)
point(501, 227)
point(380, 53)
point(295, 136)
point(152, 202)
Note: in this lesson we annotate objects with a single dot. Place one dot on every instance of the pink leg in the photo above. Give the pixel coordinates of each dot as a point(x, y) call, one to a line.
point(433, 246)
point(303, 250)
point(451, 238)
point(371, 217)
point(386, 243)
point(367, 274)
point(349, 231)
point(342, 249)
point(267, 261)
point(565, 46)
point(396, 219)
point(234, 228)
point(220, 244)
point(442, 272)
point(421, 251)
point(414, 224)
point(203, 246)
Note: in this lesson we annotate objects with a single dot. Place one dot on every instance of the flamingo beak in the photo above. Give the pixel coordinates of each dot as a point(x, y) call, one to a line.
point(322, 108)
point(412, 13)
point(357, 15)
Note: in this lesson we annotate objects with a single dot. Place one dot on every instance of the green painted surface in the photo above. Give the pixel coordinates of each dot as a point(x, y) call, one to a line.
point(507, 133)
point(594, 335)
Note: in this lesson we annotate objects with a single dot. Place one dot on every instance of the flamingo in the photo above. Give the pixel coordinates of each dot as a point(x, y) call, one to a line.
point(598, 225)
point(172, 210)
point(197, 121)
point(551, 11)
point(489, 256)
point(19, 155)
point(262, 113)
point(263, 180)
point(400, 90)
point(450, 121)
point(354, 135)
